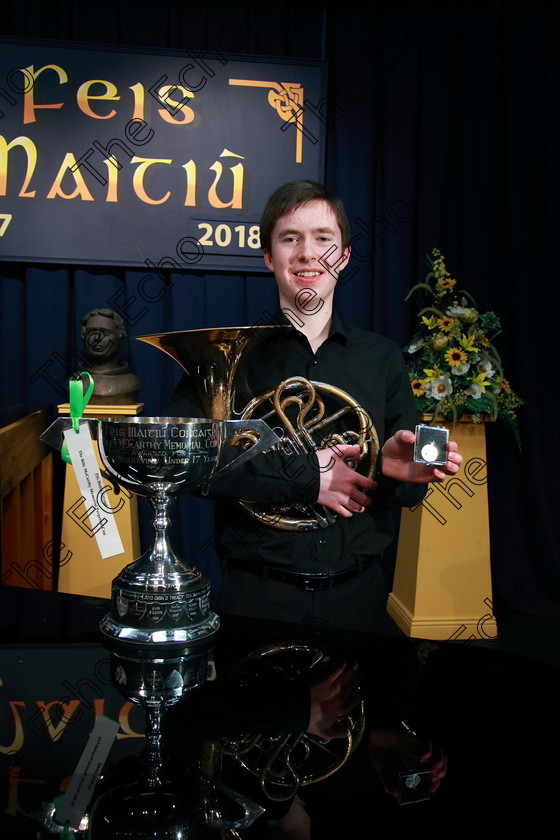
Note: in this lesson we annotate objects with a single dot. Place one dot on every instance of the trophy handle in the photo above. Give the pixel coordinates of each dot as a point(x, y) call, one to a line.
point(255, 435)
point(212, 789)
point(54, 434)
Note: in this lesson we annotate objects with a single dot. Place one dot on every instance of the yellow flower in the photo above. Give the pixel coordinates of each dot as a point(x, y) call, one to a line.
point(445, 324)
point(440, 341)
point(432, 374)
point(445, 284)
point(505, 386)
point(417, 387)
point(481, 380)
point(468, 343)
point(470, 316)
point(455, 357)
point(430, 322)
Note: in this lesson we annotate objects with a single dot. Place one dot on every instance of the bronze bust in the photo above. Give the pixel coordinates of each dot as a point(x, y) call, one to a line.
point(102, 333)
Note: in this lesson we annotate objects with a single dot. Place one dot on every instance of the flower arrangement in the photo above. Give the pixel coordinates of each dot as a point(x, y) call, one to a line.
point(454, 368)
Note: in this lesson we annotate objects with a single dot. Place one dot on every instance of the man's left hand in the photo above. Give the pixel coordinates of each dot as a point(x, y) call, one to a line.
point(396, 460)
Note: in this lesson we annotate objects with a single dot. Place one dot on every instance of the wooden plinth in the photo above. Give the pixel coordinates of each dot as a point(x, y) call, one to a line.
point(82, 569)
point(442, 587)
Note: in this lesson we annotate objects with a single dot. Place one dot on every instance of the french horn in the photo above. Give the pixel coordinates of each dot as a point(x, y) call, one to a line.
point(296, 410)
point(285, 762)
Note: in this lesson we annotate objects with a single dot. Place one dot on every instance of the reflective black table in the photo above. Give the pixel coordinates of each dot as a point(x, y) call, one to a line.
point(439, 734)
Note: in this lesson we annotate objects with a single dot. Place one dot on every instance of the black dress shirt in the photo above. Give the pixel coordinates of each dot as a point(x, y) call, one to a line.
point(371, 369)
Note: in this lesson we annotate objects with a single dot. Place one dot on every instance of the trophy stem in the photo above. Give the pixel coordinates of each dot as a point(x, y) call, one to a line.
point(160, 554)
point(153, 762)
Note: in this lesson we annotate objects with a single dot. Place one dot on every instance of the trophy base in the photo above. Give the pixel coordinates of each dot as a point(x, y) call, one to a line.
point(160, 639)
point(159, 681)
point(170, 612)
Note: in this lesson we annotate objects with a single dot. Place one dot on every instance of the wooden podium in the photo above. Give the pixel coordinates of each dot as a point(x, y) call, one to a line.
point(442, 587)
point(82, 569)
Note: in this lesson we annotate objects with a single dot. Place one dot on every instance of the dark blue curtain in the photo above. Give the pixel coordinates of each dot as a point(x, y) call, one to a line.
point(442, 131)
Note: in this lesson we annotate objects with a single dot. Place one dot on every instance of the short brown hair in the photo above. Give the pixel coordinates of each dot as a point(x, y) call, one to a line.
point(293, 195)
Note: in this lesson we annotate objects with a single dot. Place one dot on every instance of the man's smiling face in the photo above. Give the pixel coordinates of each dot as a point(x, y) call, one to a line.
point(299, 241)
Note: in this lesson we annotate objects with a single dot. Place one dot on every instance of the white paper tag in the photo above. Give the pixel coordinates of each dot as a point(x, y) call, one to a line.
point(92, 486)
point(75, 801)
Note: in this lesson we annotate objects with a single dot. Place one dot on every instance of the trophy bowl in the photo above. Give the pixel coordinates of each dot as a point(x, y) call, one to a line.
point(155, 455)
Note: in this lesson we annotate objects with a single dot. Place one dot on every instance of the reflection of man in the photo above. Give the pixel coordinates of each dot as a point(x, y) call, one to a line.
point(102, 333)
point(331, 575)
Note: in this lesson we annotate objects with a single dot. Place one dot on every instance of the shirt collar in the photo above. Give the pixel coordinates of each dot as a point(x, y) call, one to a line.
point(339, 330)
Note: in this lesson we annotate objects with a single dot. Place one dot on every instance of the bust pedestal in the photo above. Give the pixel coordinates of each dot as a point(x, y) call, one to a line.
point(442, 587)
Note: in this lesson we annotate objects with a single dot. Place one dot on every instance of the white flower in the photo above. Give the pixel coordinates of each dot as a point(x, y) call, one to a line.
point(456, 312)
point(475, 390)
point(414, 346)
point(485, 366)
point(440, 387)
point(458, 370)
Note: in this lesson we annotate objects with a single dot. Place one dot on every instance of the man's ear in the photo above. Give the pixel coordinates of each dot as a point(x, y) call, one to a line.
point(268, 259)
point(344, 259)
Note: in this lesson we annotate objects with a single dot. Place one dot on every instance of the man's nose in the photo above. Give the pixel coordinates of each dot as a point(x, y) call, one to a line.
point(306, 250)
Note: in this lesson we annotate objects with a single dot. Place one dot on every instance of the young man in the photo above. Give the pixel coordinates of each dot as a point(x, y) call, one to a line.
point(328, 575)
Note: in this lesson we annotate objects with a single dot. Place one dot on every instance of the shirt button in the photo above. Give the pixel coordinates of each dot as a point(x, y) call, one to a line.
point(315, 362)
point(322, 541)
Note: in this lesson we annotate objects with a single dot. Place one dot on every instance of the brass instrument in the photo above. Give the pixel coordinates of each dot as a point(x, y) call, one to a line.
point(298, 404)
point(296, 410)
point(285, 762)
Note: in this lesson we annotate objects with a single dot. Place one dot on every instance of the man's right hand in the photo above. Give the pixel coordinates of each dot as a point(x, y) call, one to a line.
point(343, 489)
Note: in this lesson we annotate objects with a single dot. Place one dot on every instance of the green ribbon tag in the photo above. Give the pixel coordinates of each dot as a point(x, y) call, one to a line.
point(78, 402)
point(65, 834)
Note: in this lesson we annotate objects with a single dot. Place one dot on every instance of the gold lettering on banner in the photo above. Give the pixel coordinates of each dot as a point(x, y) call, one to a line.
point(29, 106)
point(138, 92)
point(127, 730)
point(138, 179)
point(56, 730)
point(237, 171)
point(190, 195)
point(183, 111)
point(14, 782)
point(287, 100)
point(83, 97)
point(17, 743)
point(112, 181)
point(29, 146)
point(98, 708)
point(69, 164)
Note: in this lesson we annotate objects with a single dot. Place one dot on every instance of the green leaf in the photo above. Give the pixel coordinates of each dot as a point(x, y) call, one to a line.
point(431, 309)
point(420, 286)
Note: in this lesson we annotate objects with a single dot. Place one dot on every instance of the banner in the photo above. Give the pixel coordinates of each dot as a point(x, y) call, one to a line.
point(51, 698)
point(165, 159)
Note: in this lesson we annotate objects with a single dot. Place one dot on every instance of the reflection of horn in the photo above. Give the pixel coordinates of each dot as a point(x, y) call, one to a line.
point(285, 762)
point(295, 409)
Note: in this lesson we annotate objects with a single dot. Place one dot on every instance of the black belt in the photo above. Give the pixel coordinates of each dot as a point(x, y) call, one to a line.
point(307, 581)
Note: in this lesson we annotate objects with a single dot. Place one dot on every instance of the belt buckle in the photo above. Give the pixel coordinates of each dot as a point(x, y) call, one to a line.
point(316, 582)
